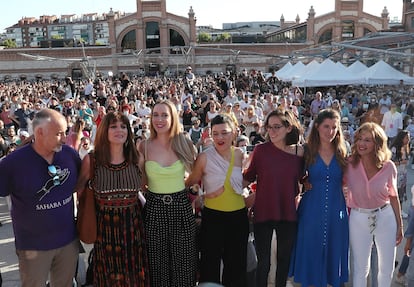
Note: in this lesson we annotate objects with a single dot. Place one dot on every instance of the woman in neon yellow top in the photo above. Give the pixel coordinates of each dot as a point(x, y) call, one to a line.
point(224, 224)
point(169, 220)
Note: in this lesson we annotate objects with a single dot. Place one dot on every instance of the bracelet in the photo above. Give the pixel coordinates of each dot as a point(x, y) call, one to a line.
point(191, 191)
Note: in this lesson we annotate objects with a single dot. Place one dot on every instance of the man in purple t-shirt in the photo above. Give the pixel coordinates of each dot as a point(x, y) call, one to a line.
point(40, 179)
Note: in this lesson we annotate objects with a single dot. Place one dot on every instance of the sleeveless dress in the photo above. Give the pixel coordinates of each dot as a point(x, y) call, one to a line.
point(120, 252)
point(170, 227)
point(320, 256)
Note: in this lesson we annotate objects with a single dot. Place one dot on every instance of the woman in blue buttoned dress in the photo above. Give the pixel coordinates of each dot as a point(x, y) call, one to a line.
point(320, 256)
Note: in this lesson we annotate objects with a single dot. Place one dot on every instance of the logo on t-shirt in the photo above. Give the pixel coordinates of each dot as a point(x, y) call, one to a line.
point(58, 177)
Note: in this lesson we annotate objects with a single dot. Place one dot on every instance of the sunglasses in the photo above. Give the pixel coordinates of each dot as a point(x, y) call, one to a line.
point(54, 174)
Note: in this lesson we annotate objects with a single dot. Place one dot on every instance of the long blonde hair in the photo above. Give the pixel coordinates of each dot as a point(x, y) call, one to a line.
point(180, 144)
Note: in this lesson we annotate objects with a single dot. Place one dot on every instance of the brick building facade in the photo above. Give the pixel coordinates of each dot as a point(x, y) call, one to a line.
point(152, 38)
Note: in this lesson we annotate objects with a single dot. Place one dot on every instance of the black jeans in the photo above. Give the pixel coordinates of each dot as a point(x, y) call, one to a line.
point(224, 238)
point(285, 238)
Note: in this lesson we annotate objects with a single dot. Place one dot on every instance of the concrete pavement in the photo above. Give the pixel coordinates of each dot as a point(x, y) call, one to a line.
point(8, 259)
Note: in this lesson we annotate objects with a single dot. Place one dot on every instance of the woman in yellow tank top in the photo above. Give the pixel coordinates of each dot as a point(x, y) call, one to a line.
point(224, 224)
point(169, 220)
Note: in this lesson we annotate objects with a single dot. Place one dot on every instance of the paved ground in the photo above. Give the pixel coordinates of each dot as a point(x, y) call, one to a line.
point(8, 259)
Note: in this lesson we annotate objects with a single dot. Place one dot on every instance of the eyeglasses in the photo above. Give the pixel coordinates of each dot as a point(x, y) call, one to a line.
point(53, 171)
point(274, 127)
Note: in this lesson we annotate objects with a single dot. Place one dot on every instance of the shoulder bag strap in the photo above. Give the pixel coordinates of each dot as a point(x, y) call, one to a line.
point(230, 169)
point(92, 167)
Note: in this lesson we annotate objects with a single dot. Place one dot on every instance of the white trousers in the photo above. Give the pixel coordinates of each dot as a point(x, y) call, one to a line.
point(380, 226)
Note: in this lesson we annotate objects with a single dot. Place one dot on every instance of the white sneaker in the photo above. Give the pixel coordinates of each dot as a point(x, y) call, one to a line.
point(404, 214)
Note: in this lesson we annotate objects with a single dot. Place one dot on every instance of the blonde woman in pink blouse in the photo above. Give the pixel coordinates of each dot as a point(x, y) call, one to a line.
point(371, 181)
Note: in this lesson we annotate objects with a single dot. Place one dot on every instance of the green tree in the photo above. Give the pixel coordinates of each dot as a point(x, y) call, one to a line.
point(223, 37)
point(9, 43)
point(204, 37)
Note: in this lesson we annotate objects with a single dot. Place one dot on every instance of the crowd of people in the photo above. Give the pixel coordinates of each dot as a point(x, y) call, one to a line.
point(325, 169)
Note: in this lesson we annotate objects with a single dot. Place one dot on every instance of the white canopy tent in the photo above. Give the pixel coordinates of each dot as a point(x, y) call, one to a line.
point(297, 74)
point(340, 65)
point(326, 74)
point(284, 69)
point(356, 68)
point(383, 74)
point(286, 76)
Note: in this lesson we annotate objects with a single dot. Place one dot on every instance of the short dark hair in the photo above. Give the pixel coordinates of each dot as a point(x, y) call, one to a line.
point(223, 119)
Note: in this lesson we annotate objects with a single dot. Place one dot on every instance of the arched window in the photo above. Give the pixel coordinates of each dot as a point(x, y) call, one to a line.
point(152, 35)
point(326, 36)
point(366, 31)
point(176, 39)
point(348, 30)
point(129, 41)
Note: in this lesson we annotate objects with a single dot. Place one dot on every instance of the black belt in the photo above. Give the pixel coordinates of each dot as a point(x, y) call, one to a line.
point(169, 197)
point(369, 211)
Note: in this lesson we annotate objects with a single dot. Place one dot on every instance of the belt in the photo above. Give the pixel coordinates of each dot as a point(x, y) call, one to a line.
point(370, 211)
point(168, 198)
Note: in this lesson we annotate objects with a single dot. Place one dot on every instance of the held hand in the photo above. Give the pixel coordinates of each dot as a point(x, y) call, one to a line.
point(197, 203)
point(249, 200)
point(305, 182)
point(306, 186)
point(196, 187)
point(345, 192)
